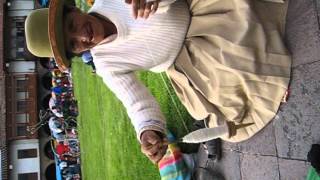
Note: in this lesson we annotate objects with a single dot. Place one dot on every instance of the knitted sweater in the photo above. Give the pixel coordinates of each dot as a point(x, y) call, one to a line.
point(151, 44)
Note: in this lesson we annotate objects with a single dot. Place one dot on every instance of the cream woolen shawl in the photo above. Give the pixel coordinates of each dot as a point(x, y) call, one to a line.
point(151, 44)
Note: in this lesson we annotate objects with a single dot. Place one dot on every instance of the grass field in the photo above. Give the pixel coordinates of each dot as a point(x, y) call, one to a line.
point(109, 147)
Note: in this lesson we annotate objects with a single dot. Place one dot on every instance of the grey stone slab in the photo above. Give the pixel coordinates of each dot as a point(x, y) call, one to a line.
point(228, 166)
point(292, 169)
point(259, 167)
point(298, 125)
point(263, 143)
point(230, 146)
point(302, 31)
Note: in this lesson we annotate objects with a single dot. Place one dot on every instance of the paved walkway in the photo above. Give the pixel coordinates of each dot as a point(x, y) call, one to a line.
point(280, 150)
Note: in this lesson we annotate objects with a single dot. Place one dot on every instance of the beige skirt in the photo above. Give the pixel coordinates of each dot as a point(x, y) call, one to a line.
point(234, 65)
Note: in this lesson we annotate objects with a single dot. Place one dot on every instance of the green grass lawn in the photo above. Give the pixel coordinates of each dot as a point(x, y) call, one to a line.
point(109, 147)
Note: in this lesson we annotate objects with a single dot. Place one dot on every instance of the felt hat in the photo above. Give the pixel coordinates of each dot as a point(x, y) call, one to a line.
point(44, 33)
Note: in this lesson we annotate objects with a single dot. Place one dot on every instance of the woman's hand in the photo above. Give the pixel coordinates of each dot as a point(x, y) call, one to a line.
point(153, 146)
point(143, 8)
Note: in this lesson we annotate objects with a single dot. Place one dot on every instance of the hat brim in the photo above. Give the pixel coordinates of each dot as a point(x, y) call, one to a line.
point(56, 36)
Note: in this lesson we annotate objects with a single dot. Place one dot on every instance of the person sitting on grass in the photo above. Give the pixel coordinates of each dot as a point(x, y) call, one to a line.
point(224, 58)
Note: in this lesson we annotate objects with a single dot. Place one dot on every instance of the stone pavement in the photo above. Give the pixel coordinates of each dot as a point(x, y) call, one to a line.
point(280, 150)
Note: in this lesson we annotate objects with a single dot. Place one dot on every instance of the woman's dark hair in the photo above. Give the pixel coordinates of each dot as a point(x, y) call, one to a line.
point(70, 55)
point(67, 9)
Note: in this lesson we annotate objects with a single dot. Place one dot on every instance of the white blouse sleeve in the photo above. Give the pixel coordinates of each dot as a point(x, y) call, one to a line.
point(142, 108)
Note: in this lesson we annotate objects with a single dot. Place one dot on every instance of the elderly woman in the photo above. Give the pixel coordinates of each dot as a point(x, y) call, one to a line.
point(225, 58)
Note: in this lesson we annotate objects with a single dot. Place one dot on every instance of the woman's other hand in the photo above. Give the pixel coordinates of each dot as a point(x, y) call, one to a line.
point(143, 8)
point(153, 146)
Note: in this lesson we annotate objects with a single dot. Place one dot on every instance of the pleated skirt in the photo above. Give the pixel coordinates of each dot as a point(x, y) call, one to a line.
point(234, 65)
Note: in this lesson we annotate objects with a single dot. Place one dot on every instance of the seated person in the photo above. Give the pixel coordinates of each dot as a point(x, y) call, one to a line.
point(225, 58)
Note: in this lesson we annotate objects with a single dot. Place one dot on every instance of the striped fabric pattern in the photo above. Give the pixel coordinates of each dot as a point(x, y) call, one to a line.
point(172, 165)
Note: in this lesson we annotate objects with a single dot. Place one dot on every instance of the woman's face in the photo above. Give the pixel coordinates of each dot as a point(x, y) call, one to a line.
point(82, 31)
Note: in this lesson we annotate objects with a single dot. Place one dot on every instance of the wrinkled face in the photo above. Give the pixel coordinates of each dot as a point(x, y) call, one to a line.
point(81, 31)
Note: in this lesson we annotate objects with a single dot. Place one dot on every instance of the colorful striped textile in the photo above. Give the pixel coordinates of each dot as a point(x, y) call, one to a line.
point(172, 165)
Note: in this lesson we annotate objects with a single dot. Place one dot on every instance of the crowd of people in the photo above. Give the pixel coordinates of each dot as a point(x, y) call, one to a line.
point(63, 125)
